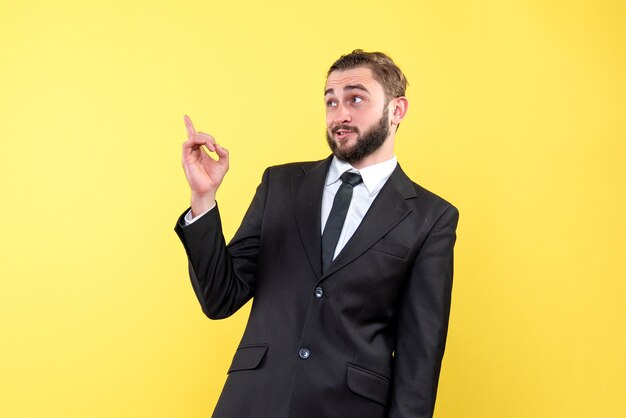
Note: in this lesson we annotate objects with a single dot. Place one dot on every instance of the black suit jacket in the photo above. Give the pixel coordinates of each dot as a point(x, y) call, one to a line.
point(373, 325)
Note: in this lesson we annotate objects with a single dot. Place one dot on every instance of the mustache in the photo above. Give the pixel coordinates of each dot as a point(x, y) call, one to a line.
point(345, 128)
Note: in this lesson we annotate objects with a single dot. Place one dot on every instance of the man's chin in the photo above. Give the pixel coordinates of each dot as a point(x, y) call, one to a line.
point(346, 144)
point(345, 154)
point(344, 149)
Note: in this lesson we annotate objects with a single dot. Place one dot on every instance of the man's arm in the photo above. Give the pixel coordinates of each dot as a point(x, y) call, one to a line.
point(210, 267)
point(223, 277)
point(422, 322)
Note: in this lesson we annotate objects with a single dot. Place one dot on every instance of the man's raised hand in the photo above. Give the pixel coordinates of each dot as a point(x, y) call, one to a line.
point(204, 173)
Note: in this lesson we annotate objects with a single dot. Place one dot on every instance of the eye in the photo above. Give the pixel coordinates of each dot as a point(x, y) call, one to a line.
point(356, 99)
point(331, 103)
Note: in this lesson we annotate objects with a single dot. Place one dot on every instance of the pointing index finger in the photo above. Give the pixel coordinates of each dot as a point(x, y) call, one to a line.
point(190, 129)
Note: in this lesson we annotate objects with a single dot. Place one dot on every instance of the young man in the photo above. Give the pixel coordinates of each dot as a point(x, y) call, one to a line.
point(349, 263)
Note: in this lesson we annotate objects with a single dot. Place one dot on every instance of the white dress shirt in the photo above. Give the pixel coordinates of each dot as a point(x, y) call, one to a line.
point(374, 178)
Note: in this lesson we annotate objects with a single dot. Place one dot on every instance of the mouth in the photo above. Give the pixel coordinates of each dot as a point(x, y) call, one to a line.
point(341, 134)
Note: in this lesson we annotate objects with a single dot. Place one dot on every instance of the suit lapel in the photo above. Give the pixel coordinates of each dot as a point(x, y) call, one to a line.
point(387, 210)
point(307, 190)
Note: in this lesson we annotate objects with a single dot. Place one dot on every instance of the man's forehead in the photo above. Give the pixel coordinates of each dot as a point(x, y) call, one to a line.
point(338, 79)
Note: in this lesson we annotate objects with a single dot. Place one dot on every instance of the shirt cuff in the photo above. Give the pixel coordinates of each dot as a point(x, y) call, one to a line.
point(189, 220)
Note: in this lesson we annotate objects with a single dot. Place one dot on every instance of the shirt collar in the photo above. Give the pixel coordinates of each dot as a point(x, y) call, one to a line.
point(374, 176)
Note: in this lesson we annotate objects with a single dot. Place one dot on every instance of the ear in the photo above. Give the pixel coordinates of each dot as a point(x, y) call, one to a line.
point(398, 108)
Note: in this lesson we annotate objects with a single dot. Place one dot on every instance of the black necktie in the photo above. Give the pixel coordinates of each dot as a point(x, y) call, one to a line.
point(337, 216)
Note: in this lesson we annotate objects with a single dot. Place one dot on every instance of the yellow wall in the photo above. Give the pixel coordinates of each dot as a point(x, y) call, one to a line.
point(517, 116)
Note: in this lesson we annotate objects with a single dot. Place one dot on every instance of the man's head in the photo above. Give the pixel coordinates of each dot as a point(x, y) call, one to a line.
point(385, 71)
point(365, 103)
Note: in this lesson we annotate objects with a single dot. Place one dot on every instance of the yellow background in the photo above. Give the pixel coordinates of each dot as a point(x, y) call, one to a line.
point(517, 116)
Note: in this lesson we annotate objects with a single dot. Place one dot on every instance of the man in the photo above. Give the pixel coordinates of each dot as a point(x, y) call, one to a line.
point(349, 263)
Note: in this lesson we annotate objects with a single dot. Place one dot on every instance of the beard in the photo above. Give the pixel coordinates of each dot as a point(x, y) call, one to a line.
point(365, 144)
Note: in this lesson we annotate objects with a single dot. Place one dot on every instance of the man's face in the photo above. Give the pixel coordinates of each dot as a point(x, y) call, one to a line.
point(357, 123)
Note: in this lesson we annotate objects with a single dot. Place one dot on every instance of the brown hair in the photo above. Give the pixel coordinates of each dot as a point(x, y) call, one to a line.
point(386, 72)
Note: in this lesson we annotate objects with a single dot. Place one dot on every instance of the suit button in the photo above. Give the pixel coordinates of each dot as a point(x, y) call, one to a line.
point(304, 353)
point(319, 292)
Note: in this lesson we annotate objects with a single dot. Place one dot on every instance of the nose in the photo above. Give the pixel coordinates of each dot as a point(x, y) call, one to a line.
point(341, 115)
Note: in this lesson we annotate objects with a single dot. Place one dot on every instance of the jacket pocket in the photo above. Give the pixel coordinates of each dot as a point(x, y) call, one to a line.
point(248, 357)
point(368, 384)
point(390, 247)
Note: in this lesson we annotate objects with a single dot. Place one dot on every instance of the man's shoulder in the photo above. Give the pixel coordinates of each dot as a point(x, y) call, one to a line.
point(425, 196)
point(425, 193)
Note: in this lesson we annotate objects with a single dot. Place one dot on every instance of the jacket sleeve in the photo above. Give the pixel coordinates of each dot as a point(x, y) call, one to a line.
point(223, 277)
point(422, 322)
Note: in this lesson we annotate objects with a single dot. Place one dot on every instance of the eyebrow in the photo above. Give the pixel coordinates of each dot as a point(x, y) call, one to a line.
point(347, 88)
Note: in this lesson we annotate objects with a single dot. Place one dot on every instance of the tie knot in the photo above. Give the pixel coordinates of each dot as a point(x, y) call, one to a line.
point(351, 178)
